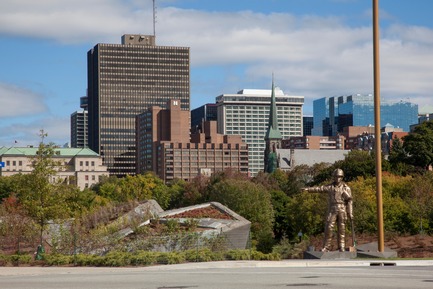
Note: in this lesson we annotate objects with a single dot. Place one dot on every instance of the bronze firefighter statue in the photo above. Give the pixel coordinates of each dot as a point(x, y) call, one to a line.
point(339, 209)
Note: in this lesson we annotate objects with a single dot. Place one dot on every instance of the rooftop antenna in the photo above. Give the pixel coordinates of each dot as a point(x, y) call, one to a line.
point(154, 18)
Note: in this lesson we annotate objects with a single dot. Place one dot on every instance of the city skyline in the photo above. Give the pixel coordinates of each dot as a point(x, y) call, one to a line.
point(316, 48)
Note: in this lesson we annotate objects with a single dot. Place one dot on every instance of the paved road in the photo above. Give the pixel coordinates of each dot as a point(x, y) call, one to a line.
point(217, 275)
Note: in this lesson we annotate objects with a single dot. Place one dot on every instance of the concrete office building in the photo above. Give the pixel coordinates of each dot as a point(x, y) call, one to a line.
point(315, 142)
point(78, 166)
point(333, 114)
point(79, 126)
point(247, 114)
point(165, 146)
point(123, 81)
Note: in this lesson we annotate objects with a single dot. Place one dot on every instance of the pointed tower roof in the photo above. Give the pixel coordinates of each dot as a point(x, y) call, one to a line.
point(273, 132)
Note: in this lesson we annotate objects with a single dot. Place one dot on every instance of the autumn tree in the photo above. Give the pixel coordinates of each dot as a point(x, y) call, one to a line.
point(16, 227)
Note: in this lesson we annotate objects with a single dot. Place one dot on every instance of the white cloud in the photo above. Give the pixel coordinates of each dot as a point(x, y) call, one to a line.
point(310, 55)
point(72, 21)
point(16, 101)
point(58, 130)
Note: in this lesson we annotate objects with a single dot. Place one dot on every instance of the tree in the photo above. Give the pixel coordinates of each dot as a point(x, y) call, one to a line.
point(398, 158)
point(39, 193)
point(419, 145)
point(135, 188)
point(420, 200)
point(253, 202)
point(9, 185)
point(15, 227)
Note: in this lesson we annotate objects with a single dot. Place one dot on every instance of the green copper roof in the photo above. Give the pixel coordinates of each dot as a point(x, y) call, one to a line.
point(273, 132)
point(31, 151)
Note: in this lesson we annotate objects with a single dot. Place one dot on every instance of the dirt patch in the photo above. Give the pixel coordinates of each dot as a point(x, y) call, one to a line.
point(415, 246)
point(207, 212)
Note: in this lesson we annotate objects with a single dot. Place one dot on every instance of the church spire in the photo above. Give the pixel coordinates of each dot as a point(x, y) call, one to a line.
point(273, 136)
point(273, 132)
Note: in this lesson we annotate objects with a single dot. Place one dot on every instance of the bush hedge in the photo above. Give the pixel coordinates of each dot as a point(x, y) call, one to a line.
point(138, 258)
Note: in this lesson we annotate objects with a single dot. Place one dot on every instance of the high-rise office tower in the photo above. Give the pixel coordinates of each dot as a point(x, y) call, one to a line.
point(79, 127)
point(247, 114)
point(124, 80)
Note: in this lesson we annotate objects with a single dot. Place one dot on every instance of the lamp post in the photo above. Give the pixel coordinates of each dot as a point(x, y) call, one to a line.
point(376, 72)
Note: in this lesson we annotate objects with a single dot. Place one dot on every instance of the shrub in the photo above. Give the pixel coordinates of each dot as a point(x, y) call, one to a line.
point(116, 259)
point(238, 255)
point(58, 259)
point(171, 258)
point(203, 255)
point(144, 258)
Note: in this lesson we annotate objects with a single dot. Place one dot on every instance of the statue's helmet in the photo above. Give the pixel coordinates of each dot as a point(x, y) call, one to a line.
point(338, 173)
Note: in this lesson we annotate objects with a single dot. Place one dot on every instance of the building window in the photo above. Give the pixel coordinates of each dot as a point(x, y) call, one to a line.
point(86, 177)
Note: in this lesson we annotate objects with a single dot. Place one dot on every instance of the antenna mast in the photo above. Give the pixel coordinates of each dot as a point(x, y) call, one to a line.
point(154, 18)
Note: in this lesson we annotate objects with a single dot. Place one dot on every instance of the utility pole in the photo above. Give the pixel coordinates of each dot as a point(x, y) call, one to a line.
point(154, 18)
point(376, 72)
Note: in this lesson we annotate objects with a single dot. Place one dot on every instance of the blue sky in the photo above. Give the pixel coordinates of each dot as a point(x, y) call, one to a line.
point(315, 48)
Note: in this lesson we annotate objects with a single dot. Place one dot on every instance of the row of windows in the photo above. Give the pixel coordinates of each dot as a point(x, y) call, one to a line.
point(137, 53)
point(92, 163)
point(14, 163)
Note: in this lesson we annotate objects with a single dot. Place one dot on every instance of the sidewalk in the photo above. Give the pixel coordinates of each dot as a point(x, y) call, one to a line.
point(22, 271)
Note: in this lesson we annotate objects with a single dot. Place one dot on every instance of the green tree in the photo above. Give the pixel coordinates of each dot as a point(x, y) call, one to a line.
point(419, 145)
point(398, 158)
point(188, 193)
point(306, 214)
point(420, 200)
point(9, 185)
point(357, 164)
point(39, 193)
point(282, 228)
point(135, 188)
point(253, 202)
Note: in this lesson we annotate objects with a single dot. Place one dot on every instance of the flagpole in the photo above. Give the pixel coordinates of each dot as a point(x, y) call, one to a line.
point(378, 147)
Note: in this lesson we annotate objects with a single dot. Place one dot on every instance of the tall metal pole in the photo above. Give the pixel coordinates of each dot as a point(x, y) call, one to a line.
point(378, 147)
point(154, 18)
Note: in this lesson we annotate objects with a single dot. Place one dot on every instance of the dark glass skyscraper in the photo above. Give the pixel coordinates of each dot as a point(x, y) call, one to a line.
point(206, 112)
point(123, 81)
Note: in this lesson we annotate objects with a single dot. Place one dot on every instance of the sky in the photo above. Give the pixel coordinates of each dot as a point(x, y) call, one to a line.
point(314, 48)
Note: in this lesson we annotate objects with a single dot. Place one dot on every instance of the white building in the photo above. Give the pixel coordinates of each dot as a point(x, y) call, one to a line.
point(80, 166)
point(247, 114)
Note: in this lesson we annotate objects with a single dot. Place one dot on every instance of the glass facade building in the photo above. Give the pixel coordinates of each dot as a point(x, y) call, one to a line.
point(358, 110)
point(207, 112)
point(123, 81)
point(247, 114)
point(308, 124)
